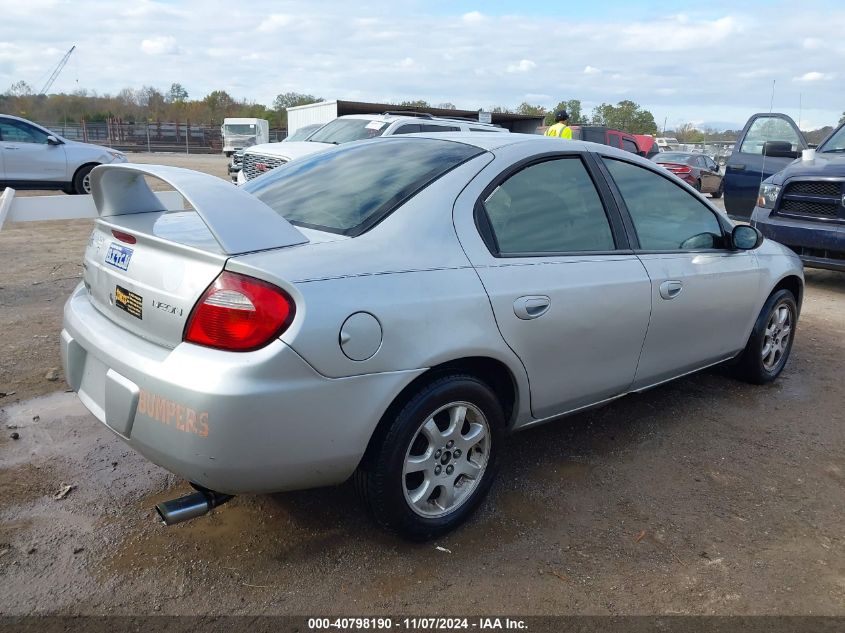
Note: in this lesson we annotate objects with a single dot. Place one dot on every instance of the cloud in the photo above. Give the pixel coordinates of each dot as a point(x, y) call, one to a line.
point(159, 45)
point(523, 66)
point(814, 76)
point(441, 53)
point(275, 22)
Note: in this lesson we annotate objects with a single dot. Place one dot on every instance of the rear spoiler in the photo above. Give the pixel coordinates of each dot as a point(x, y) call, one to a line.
point(239, 222)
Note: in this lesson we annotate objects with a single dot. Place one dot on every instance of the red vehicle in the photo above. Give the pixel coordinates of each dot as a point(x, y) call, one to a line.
point(700, 171)
point(636, 144)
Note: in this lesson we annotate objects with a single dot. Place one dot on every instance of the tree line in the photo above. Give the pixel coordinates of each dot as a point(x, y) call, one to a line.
point(151, 104)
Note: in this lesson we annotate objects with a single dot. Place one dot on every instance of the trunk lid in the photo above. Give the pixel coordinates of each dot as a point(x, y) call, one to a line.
point(145, 267)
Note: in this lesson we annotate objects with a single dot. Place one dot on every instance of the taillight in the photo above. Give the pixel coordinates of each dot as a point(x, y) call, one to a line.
point(677, 169)
point(123, 237)
point(239, 314)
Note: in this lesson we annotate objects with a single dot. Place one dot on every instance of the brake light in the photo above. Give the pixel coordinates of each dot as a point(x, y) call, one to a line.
point(123, 237)
point(239, 314)
point(677, 169)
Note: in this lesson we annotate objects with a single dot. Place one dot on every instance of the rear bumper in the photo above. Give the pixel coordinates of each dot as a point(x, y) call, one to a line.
point(260, 421)
point(818, 244)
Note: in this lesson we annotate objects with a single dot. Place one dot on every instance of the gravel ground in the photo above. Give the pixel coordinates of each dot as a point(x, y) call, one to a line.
point(703, 496)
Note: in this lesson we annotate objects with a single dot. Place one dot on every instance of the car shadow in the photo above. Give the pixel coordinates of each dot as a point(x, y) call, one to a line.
point(556, 458)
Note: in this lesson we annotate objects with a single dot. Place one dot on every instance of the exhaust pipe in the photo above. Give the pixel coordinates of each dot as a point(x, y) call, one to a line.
point(190, 506)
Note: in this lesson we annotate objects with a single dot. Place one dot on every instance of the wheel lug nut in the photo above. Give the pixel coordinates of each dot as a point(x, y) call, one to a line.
point(457, 453)
point(437, 454)
point(437, 469)
point(450, 469)
point(450, 443)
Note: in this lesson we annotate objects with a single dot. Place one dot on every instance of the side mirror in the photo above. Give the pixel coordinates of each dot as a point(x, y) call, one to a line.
point(52, 140)
point(779, 149)
point(745, 237)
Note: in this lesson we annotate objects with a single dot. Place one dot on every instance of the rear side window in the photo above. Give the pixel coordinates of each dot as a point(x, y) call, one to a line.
point(629, 146)
point(548, 207)
point(349, 189)
point(409, 128)
point(665, 216)
point(428, 127)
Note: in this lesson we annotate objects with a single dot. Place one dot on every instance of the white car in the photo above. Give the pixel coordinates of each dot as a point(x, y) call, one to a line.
point(33, 157)
point(260, 159)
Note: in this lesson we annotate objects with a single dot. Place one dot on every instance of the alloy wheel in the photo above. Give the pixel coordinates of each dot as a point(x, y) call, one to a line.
point(776, 336)
point(446, 460)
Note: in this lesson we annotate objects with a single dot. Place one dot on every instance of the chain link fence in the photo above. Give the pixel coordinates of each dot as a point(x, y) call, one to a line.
point(156, 136)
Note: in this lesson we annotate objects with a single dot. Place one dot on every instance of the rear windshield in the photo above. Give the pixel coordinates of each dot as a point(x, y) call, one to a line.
point(346, 130)
point(671, 157)
point(349, 189)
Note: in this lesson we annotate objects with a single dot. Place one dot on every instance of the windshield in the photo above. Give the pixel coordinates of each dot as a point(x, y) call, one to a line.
point(671, 157)
point(303, 133)
point(836, 142)
point(349, 189)
point(239, 128)
point(346, 130)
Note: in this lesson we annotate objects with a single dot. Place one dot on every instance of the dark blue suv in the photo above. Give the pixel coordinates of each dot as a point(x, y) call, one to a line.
point(796, 200)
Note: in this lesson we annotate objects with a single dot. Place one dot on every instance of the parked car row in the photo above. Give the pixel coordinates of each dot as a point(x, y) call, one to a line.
point(260, 159)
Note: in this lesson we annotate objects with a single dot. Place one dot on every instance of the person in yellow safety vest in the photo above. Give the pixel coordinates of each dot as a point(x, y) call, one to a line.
point(560, 129)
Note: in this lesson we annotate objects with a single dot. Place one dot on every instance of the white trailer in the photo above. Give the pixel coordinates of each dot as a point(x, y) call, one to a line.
point(239, 133)
point(321, 113)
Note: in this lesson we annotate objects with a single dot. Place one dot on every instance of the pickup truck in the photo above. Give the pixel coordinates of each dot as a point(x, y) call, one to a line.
point(615, 138)
point(793, 196)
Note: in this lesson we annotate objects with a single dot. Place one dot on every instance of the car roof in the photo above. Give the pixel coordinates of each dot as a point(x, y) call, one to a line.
point(397, 116)
point(495, 140)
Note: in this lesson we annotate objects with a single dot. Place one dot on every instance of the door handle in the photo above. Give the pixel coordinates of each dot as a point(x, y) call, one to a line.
point(531, 307)
point(738, 167)
point(9, 147)
point(671, 289)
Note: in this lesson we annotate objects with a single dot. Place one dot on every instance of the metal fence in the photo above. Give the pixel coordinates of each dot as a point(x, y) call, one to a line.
point(155, 136)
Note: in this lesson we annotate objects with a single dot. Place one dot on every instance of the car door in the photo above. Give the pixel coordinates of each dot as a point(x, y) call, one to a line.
point(714, 174)
point(703, 293)
point(708, 184)
point(568, 296)
point(747, 167)
point(28, 156)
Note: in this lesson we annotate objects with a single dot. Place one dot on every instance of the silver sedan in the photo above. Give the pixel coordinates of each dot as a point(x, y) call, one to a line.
point(390, 310)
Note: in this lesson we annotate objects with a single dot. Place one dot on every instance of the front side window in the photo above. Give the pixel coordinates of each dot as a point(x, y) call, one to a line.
point(346, 130)
point(348, 189)
point(769, 129)
point(548, 207)
point(836, 142)
point(629, 146)
point(665, 216)
point(19, 132)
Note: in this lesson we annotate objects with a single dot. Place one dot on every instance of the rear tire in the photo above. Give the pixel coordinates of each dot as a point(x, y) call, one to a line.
point(82, 180)
point(698, 186)
point(770, 343)
point(438, 459)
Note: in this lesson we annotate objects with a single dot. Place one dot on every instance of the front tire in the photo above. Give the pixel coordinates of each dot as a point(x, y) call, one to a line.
point(438, 459)
point(770, 343)
point(82, 180)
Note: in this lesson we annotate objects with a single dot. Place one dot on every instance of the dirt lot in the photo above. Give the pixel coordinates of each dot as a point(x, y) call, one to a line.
point(704, 496)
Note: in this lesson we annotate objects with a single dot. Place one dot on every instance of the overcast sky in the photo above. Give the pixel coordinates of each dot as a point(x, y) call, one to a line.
point(710, 64)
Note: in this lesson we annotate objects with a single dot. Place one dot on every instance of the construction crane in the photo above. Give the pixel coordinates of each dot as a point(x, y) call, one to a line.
point(56, 72)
